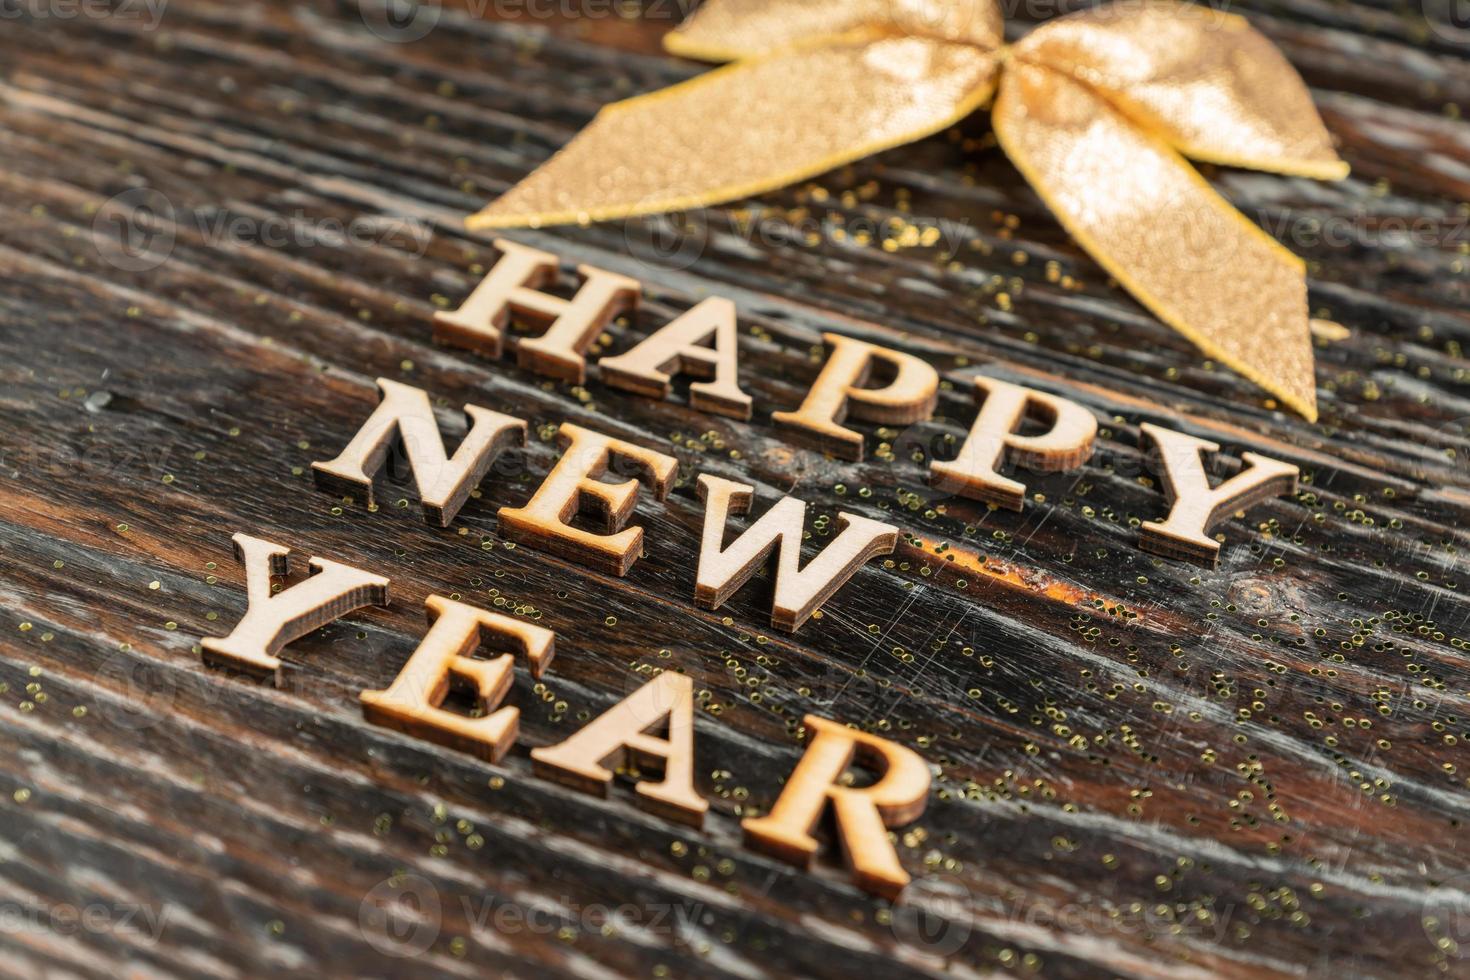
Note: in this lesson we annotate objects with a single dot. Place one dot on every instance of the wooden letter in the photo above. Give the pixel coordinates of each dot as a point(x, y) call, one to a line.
point(678, 347)
point(1195, 508)
point(620, 736)
point(513, 286)
point(994, 439)
point(799, 591)
point(411, 704)
point(573, 486)
point(863, 815)
point(330, 592)
point(443, 483)
point(838, 391)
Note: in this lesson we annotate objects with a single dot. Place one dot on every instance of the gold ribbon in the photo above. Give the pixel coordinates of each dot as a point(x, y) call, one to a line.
point(1096, 109)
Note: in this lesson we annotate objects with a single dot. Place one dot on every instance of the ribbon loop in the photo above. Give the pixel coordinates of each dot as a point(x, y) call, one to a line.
point(1205, 81)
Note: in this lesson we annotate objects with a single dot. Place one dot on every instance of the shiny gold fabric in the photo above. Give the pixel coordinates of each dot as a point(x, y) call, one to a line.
point(725, 30)
point(732, 132)
point(1095, 109)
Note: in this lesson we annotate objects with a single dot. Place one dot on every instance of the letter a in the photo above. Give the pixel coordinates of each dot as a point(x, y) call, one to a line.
point(799, 591)
point(621, 736)
point(272, 621)
point(677, 347)
point(443, 483)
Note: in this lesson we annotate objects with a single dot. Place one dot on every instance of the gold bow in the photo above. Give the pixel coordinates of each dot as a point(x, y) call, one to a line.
point(1095, 110)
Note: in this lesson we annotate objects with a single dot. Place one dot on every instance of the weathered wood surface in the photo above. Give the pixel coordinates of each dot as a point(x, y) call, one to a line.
point(1144, 768)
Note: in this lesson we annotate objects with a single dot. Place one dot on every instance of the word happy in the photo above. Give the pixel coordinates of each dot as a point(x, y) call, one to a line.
point(653, 727)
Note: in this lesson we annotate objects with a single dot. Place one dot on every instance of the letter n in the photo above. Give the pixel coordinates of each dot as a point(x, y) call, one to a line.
point(443, 482)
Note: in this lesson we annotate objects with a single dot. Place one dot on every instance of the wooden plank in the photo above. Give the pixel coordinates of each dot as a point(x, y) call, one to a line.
point(1143, 768)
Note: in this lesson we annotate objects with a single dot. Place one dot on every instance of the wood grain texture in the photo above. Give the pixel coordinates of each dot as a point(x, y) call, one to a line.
point(1143, 768)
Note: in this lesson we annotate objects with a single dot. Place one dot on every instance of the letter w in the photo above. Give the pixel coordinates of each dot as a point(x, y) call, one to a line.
point(799, 591)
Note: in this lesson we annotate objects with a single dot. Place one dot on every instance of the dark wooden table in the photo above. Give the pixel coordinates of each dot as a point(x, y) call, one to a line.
point(1143, 767)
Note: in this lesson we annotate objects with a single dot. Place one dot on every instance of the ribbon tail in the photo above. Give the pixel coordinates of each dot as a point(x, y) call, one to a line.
point(751, 127)
point(1154, 223)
